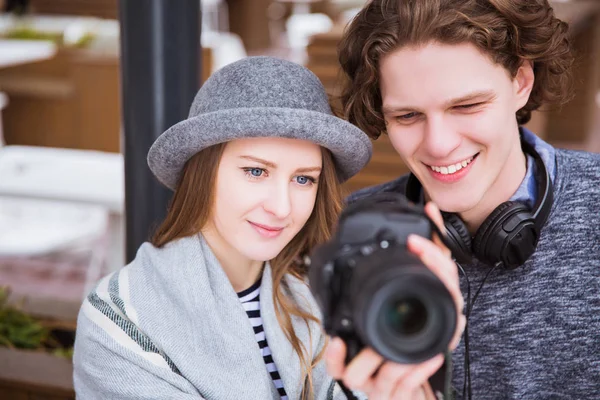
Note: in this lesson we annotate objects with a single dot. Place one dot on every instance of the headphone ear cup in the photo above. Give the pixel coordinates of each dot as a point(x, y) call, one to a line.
point(458, 238)
point(485, 247)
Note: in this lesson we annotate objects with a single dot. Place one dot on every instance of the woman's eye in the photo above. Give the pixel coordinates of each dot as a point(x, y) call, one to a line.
point(304, 180)
point(254, 172)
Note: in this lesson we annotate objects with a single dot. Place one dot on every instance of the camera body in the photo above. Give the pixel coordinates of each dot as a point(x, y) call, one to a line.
point(373, 291)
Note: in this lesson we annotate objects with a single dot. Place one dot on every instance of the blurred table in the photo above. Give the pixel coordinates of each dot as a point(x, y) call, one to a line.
point(84, 177)
point(62, 215)
point(16, 52)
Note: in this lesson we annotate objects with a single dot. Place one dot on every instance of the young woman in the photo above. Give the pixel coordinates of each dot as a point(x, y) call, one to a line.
point(217, 305)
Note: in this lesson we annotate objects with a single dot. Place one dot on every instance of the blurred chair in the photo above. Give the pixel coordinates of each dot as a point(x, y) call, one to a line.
point(215, 16)
point(3, 104)
point(221, 48)
point(300, 27)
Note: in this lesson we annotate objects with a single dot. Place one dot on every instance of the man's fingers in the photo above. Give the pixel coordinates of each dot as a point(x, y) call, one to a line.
point(387, 378)
point(441, 265)
point(433, 212)
point(417, 377)
point(335, 356)
point(359, 371)
point(462, 322)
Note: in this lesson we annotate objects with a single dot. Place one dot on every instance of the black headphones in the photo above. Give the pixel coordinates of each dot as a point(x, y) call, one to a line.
point(509, 235)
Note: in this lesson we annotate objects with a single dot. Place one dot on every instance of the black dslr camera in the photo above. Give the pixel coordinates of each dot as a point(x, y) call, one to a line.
point(373, 292)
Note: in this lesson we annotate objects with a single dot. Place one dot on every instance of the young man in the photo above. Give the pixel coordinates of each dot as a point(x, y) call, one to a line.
point(452, 82)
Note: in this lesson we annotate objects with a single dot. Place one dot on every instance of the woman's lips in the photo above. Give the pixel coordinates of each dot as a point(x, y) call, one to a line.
point(266, 230)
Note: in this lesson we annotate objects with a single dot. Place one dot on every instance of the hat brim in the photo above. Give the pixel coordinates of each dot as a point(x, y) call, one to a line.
point(351, 148)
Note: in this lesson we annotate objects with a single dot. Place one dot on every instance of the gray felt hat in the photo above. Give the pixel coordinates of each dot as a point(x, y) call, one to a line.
point(259, 97)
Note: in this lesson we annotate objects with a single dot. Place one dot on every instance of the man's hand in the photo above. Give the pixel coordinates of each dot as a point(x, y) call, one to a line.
point(368, 372)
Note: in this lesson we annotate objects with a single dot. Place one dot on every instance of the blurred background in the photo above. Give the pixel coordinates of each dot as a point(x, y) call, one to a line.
point(65, 219)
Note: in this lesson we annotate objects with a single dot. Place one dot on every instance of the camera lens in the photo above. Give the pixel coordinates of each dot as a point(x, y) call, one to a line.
point(406, 316)
point(403, 311)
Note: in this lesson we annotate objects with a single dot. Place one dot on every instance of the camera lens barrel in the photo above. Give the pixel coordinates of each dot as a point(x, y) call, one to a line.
point(404, 311)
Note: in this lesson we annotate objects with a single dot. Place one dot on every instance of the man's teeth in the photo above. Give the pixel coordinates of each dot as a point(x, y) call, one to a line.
point(450, 169)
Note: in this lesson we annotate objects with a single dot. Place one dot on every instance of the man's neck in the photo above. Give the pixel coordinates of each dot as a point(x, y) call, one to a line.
point(501, 190)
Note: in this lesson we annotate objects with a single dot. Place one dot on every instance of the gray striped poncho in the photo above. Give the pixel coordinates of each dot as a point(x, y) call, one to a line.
point(170, 326)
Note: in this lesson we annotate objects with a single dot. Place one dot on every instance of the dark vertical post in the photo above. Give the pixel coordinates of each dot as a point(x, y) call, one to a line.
point(160, 70)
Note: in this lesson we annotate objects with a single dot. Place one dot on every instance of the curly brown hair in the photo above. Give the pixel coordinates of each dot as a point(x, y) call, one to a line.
point(508, 31)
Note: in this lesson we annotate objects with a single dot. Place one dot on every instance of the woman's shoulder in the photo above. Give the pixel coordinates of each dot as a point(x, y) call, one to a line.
point(168, 262)
point(149, 287)
point(153, 269)
point(178, 249)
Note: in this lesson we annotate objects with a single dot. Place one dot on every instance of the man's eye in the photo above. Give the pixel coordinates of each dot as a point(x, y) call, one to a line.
point(467, 106)
point(407, 116)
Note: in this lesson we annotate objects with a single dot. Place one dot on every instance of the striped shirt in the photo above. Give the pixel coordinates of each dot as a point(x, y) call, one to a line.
point(250, 299)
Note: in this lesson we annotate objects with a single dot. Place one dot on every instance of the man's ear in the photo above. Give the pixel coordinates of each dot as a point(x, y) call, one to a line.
point(523, 83)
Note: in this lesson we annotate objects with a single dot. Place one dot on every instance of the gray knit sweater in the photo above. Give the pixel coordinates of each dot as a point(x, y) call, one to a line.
point(535, 331)
point(170, 326)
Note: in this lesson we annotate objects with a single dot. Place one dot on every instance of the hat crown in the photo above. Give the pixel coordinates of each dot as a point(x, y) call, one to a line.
point(261, 82)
